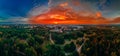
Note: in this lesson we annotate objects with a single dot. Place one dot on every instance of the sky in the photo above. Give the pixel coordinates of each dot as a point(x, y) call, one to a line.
point(31, 11)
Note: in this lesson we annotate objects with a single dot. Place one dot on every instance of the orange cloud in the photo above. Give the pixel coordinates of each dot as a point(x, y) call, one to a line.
point(98, 14)
point(66, 15)
point(64, 4)
point(76, 2)
point(116, 20)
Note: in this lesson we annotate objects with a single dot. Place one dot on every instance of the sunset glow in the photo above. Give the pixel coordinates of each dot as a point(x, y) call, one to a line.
point(72, 18)
point(66, 13)
point(56, 16)
point(98, 14)
point(60, 19)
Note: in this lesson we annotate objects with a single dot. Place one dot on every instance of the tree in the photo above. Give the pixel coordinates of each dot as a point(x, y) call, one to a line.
point(30, 51)
point(31, 41)
point(38, 39)
point(54, 50)
point(69, 47)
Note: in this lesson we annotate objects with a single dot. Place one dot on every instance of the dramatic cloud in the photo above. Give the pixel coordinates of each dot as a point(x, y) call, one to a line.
point(16, 20)
point(72, 12)
point(9, 9)
point(60, 11)
point(116, 20)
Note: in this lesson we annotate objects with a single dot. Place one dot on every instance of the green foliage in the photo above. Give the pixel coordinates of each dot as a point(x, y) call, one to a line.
point(38, 39)
point(54, 50)
point(30, 51)
point(58, 38)
point(69, 47)
point(99, 41)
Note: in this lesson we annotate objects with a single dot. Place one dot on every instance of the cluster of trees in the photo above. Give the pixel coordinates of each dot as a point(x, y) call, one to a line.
point(36, 42)
point(32, 42)
point(102, 42)
point(20, 42)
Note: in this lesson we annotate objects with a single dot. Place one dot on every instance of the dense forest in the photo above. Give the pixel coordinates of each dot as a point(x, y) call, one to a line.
point(39, 41)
